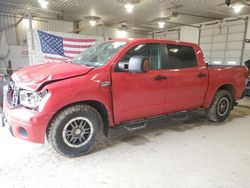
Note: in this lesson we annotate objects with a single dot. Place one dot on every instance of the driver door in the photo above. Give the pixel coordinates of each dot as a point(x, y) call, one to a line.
point(139, 95)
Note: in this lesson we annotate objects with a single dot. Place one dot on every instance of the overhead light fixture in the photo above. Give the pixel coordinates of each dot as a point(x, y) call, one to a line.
point(92, 23)
point(237, 7)
point(228, 2)
point(43, 3)
point(161, 24)
point(129, 7)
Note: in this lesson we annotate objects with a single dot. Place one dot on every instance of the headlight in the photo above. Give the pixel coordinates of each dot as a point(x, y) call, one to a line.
point(31, 99)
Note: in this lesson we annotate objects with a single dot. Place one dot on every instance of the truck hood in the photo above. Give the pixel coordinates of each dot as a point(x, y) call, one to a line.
point(33, 77)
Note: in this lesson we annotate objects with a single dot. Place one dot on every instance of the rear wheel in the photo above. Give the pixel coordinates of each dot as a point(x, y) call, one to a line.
point(73, 131)
point(221, 106)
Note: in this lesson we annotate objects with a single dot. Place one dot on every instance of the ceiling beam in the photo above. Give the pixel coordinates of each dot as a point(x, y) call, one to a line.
point(227, 15)
point(183, 24)
point(15, 24)
point(199, 16)
point(31, 8)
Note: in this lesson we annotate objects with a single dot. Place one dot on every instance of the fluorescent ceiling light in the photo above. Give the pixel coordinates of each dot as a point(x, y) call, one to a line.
point(92, 23)
point(237, 7)
point(161, 24)
point(129, 7)
point(43, 3)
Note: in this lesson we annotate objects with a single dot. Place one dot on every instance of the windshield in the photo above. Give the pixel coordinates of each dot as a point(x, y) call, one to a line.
point(98, 54)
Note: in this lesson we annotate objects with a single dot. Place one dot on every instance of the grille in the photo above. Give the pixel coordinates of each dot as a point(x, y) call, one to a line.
point(12, 94)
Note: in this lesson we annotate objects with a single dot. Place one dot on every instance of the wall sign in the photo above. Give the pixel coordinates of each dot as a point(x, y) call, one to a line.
point(24, 53)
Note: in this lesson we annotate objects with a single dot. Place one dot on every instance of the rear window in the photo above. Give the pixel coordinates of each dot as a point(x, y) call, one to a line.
point(180, 57)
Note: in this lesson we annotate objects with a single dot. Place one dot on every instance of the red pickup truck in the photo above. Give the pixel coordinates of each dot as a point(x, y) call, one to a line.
point(118, 82)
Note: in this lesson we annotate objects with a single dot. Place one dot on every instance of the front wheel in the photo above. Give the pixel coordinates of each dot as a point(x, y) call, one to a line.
point(221, 106)
point(74, 130)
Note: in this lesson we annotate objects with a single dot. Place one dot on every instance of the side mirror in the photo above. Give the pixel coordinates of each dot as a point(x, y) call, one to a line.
point(135, 64)
point(138, 64)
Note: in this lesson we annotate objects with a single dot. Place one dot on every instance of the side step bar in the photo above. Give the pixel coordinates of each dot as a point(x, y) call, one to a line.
point(142, 123)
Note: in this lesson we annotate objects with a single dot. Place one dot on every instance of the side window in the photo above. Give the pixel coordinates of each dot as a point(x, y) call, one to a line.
point(150, 51)
point(179, 57)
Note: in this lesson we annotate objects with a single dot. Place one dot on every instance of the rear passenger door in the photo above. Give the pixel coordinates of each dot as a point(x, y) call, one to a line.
point(187, 80)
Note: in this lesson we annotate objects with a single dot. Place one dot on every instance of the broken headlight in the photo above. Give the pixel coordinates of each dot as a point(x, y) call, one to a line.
point(32, 99)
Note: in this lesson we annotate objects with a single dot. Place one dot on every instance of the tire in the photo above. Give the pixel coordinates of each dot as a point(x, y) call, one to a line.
point(74, 131)
point(221, 106)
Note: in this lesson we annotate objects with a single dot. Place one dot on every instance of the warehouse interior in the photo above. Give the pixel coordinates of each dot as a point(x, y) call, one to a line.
point(177, 152)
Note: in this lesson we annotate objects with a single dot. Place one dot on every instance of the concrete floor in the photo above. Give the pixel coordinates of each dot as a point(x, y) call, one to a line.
point(191, 153)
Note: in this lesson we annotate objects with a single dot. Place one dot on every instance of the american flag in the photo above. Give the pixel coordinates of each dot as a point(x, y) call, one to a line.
point(58, 48)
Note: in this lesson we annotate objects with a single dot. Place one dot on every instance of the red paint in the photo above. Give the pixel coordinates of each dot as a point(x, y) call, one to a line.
point(131, 96)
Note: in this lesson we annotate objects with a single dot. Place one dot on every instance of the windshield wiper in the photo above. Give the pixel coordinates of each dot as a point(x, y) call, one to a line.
point(88, 65)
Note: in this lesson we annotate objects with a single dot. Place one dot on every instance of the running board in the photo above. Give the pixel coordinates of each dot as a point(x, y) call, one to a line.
point(142, 123)
point(134, 127)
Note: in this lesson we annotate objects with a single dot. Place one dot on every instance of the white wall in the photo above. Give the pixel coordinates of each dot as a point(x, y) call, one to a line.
point(246, 55)
point(18, 55)
point(169, 35)
point(189, 34)
point(18, 35)
point(106, 31)
point(11, 32)
point(48, 25)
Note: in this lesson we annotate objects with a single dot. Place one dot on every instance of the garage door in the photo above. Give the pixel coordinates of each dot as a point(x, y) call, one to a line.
point(222, 43)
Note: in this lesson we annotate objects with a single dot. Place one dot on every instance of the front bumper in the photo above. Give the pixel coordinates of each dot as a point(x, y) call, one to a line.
point(27, 124)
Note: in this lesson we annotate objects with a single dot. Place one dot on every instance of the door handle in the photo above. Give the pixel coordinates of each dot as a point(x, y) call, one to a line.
point(160, 77)
point(201, 75)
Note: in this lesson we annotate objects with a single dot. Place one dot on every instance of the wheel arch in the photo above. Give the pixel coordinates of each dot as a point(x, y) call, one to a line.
point(227, 87)
point(210, 97)
point(98, 106)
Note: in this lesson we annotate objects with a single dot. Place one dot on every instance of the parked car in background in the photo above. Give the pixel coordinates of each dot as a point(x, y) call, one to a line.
point(117, 83)
point(248, 87)
point(248, 83)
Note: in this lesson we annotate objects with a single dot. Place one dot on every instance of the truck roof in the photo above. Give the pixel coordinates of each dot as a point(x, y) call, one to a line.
point(149, 40)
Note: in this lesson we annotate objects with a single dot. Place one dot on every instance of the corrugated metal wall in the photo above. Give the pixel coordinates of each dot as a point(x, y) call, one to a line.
point(11, 32)
point(18, 35)
point(246, 52)
point(106, 31)
point(48, 25)
point(169, 35)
